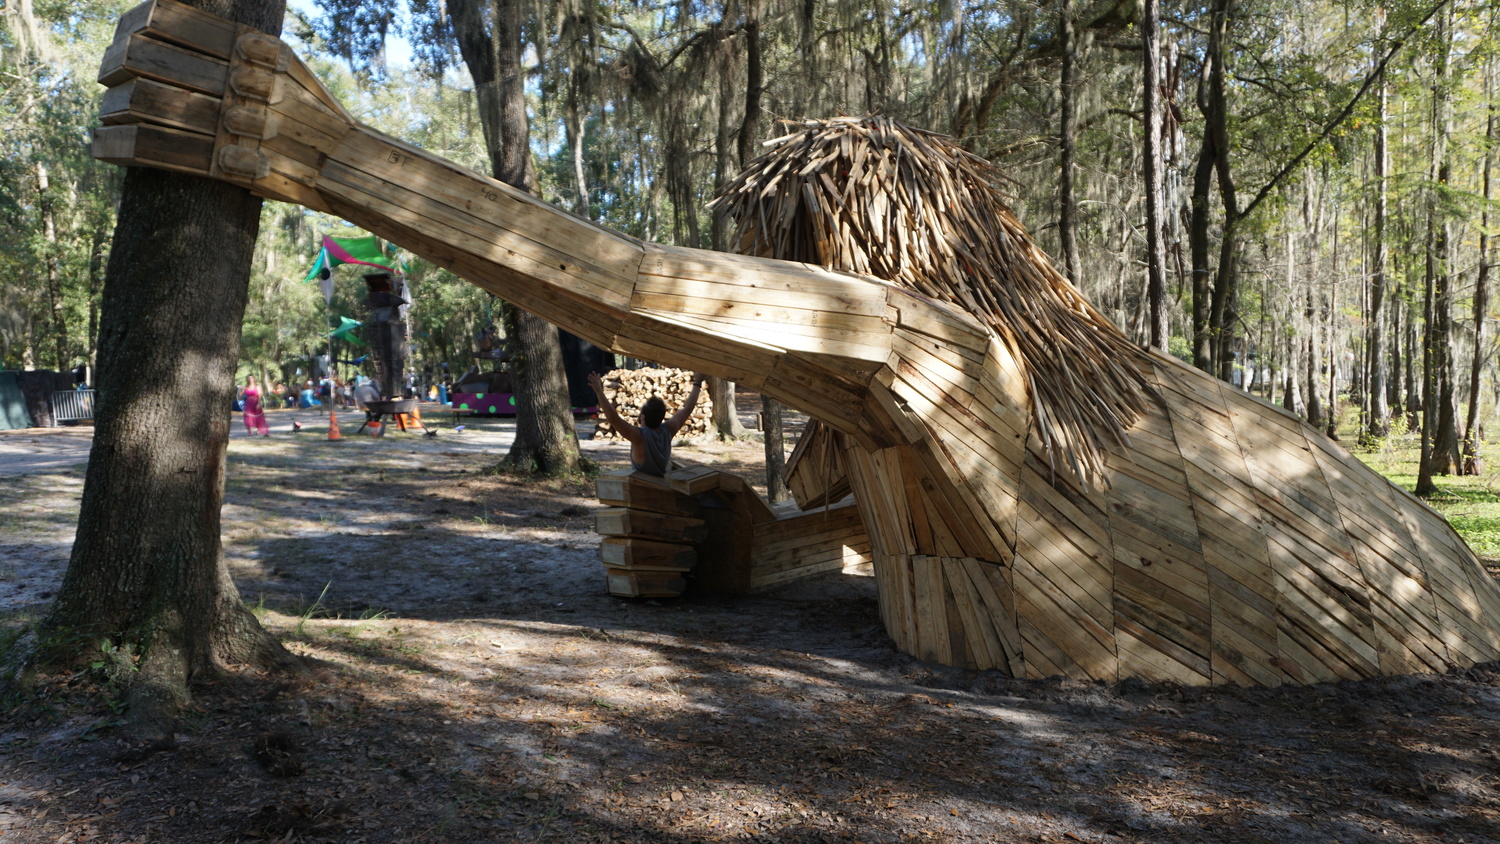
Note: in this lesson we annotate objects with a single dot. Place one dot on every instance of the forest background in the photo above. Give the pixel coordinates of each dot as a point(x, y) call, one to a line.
point(1321, 233)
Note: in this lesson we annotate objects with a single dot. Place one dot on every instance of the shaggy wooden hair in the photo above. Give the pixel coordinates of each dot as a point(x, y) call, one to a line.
point(874, 197)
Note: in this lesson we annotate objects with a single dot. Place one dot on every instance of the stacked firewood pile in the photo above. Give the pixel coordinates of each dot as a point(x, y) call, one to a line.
point(630, 388)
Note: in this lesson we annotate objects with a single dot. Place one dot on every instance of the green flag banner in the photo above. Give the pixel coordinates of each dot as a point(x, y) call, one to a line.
point(352, 250)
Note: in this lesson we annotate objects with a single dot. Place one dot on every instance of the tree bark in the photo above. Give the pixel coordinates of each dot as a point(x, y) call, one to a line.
point(1440, 454)
point(1223, 301)
point(1156, 258)
point(1378, 417)
point(724, 415)
point(771, 410)
point(1198, 247)
point(50, 261)
point(1472, 464)
point(147, 583)
point(546, 440)
point(1067, 217)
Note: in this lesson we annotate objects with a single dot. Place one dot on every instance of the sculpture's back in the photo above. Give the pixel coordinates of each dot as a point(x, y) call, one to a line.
point(1042, 496)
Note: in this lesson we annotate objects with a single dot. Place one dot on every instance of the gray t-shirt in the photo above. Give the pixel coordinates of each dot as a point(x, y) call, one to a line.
point(658, 451)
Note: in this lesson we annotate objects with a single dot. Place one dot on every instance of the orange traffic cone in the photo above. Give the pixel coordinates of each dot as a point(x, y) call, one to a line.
point(333, 426)
point(416, 417)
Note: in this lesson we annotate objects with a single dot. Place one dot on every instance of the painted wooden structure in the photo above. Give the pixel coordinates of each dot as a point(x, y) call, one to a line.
point(1228, 542)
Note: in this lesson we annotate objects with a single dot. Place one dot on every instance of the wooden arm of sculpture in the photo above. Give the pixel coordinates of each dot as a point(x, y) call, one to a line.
point(194, 93)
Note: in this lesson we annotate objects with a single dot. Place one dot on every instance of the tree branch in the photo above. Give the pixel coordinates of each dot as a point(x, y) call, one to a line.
point(1342, 115)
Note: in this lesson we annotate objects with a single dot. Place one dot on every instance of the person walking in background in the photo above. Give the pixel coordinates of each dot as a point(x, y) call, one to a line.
point(255, 415)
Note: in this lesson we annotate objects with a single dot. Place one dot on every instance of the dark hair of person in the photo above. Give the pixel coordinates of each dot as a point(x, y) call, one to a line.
point(653, 411)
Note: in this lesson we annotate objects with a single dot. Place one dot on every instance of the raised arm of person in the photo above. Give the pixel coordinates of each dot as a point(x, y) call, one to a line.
point(685, 412)
point(625, 429)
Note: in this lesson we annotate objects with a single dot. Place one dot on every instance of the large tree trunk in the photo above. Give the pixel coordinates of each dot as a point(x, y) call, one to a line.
point(546, 438)
point(147, 580)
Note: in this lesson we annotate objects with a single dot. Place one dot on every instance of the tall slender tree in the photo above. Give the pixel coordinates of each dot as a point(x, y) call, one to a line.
point(1156, 257)
point(489, 39)
point(1067, 142)
point(1472, 464)
point(1378, 412)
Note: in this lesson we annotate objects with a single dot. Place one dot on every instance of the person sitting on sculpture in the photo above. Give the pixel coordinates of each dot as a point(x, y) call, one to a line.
point(651, 438)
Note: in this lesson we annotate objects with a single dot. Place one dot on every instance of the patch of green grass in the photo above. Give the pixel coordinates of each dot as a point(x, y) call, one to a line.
point(300, 629)
point(1471, 503)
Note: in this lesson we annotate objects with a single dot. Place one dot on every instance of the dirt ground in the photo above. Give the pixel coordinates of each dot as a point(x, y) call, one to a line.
point(475, 684)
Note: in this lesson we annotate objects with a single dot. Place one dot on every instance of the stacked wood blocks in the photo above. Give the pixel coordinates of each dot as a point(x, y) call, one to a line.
point(648, 531)
point(630, 388)
point(1227, 542)
point(710, 523)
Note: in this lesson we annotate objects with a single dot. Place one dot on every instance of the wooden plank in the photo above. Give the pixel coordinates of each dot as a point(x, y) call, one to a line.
point(1039, 580)
point(638, 584)
point(666, 342)
point(944, 323)
point(804, 380)
point(885, 539)
point(1239, 659)
point(817, 288)
point(645, 555)
point(144, 145)
point(1051, 647)
point(448, 248)
point(839, 522)
point(309, 120)
point(984, 527)
point(732, 291)
point(815, 472)
point(850, 560)
point(1042, 658)
point(979, 630)
point(1303, 639)
point(989, 581)
point(623, 521)
point(1341, 641)
point(182, 24)
point(1160, 512)
point(828, 556)
point(747, 308)
point(146, 57)
point(639, 491)
point(931, 609)
point(1139, 659)
point(142, 100)
point(1088, 582)
point(871, 347)
point(456, 207)
point(1242, 594)
point(944, 366)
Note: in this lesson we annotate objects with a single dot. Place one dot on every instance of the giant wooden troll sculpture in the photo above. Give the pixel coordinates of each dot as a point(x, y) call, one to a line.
point(1042, 496)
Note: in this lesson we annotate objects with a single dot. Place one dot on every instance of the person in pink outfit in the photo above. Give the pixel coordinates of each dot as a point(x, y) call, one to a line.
point(255, 415)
